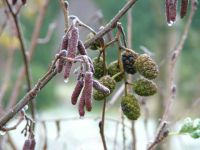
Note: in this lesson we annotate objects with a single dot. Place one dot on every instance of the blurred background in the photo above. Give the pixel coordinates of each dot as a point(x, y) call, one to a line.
point(150, 34)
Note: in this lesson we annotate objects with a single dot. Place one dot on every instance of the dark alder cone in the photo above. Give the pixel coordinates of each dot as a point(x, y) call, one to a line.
point(146, 66)
point(144, 87)
point(61, 62)
point(130, 107)
point(87, 91)
point(184, 6)
point(73, 43)
point(98, 67)
point(113, 69)
point(14, 2)
point(77, 91)
point(128, 60)
point(109, 83)
point(171, 11)
point(81, 48)
point(100, 87)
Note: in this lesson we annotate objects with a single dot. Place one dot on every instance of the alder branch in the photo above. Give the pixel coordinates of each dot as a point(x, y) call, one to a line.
point(52, 72)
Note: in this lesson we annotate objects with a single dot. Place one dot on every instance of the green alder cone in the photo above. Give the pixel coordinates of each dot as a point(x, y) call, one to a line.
point(113, 69)
point(109, 83)
point(146, 66)
point(96, 44)
point(130, 107)
point(98, 67)
point(144, 87)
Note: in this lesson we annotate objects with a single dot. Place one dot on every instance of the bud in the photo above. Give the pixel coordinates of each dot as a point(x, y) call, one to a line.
point(146, 66)
point(109, 83)
point(113, 69)
point(98, 67)
point(14, 2)
point(130, 107)
point(144, 87)
point(77, 91)
point(81, 48)
point(73, 43)
point(184, 5)
point(100, 87)
point(87, 91)
point(61, 61)
point(128, 60)
point(23, 2)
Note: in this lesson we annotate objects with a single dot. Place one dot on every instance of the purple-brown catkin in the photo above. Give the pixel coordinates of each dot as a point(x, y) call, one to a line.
point(87, 91)
point(184, 5)
point(171, 10)
point(23, 2)
point(81, 106)
point(81, 48)
point(77, 91)
point(32, 144)
point(61, 62)
point(100, 87)
point(64, 44)
point(72, 45)
point(14, 2)
point(26, 145)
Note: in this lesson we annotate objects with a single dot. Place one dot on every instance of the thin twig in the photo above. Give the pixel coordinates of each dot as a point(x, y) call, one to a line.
point(174, 57)
point(26, 64)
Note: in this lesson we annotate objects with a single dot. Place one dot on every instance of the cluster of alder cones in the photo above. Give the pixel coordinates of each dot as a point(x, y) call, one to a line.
point(132, 63)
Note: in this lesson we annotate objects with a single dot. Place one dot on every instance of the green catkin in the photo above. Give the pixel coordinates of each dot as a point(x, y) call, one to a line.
point(144, 87)
point(109, 83)
point(113, 69)
point(98, 67)
point(130, 107)
point(146, 66)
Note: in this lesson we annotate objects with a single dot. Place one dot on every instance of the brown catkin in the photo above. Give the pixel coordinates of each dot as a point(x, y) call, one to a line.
point(171, 10)
point(72, 45)
point(100, 87)
point(87, 91)
point(81, 48)
point(26, 145)
point(77, 91)
point(32, 144)
point(81, 106)
point(61, 62)
point(64, 44)
point(184, 5)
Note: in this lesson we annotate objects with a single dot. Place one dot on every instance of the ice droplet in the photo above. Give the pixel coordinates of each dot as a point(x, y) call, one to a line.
point(2, 132)
point(66, 80)
point(170, 23)
point(25, 107)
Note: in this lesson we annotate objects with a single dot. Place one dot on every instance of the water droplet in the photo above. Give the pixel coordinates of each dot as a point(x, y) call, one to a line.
point(25, 107)
point(66, 80)
point(2, 132)
point(170, 23)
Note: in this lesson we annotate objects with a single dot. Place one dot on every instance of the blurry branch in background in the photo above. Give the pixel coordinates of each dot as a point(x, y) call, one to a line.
point(171, 72)
point(49, 34)
point(23, 50)
point(36, 32)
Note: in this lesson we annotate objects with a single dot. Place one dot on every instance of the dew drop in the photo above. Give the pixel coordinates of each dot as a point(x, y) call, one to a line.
point(25, 107)
point(170, 23)
point(66, 80)
point(2, 132)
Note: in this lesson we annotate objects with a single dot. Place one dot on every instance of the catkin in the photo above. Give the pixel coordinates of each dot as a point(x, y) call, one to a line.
point(77, 91)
